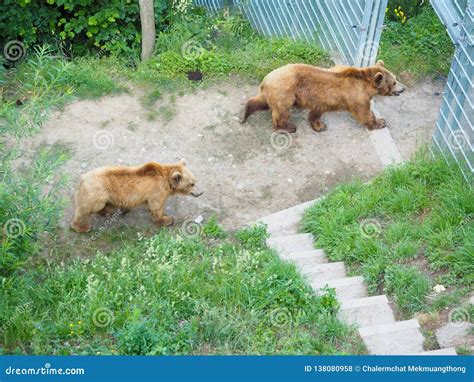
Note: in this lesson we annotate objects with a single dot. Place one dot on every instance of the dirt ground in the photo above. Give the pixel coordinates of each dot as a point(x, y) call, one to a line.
point(244, 170)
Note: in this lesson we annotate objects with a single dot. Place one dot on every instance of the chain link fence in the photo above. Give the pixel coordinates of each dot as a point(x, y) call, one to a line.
point(454, 134)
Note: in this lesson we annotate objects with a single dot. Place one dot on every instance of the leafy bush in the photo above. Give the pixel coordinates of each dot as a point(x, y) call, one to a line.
point(107, 25)
point(30, 204)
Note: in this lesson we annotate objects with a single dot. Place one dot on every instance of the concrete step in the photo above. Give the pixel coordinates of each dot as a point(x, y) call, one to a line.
point(291, 243)
point(285, 222)
point(324, 272)
point(445, 351)
point(401, 338)
point(366, 311)
point(306, 258)
point(346, 288)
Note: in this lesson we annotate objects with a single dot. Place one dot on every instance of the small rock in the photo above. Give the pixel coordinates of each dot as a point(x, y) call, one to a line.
point(290, 180)
point(200, 135)
point(83, 165)
point(199, 219)
point(439, 288)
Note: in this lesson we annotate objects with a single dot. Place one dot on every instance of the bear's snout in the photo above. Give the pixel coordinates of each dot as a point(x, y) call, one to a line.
point(398, 89)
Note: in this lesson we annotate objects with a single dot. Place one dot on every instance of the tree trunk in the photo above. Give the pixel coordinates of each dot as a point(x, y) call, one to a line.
point(147, 19)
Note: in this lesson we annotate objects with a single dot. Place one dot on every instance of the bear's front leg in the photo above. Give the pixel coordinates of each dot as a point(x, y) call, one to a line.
point(366, 117)
point(157, 209)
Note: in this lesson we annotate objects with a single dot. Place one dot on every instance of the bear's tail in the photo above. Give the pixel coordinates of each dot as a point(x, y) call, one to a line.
point(254, 104)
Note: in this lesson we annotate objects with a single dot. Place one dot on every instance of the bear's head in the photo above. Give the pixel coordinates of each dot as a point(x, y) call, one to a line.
point(183, 181)
point(386, 82)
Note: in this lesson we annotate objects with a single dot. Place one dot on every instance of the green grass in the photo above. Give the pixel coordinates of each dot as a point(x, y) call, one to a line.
point(419, 48)
point(172, 294)
point(407, 230)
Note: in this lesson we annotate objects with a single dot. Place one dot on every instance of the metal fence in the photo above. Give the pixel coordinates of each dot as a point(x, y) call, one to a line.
point(454, 134)
point(350, 28)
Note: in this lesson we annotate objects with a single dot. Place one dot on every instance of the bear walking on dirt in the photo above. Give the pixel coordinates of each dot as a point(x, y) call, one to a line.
point(103, 189)
point(321, 90)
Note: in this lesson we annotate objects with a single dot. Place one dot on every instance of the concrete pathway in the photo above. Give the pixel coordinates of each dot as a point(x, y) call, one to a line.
point(373, 316)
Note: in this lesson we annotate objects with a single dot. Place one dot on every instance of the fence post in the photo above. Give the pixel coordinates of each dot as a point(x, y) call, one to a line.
point(370, 32)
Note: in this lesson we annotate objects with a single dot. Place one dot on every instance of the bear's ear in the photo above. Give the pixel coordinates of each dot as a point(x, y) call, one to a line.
point(379, 63)
point(182, 162)
point(378, 79)
point(176, 178)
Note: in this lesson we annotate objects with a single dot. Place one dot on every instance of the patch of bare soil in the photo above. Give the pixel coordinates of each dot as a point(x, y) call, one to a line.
point(244, 170)
point(412, 116)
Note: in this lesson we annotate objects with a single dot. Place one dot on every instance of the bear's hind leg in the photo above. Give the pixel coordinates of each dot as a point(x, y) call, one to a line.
point(315, 122)
point(280, 121)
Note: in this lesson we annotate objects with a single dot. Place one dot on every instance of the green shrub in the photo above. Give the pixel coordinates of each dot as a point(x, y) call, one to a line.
point(30, 203)
point(107, 25)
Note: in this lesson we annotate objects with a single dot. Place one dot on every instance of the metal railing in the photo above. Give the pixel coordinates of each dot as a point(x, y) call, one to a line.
point(350, 28)
point(454, 134)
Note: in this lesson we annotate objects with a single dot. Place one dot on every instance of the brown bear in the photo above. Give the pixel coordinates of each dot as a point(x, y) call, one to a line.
point(103, 189)
point(320, 90)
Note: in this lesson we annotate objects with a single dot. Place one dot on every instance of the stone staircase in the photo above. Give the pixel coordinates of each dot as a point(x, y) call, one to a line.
point(373, 315)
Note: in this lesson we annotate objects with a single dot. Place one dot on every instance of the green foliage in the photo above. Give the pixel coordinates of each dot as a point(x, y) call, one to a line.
point(109, 26)
point(420, 47)
point(401, 10)
point(37, 84)
point(30, 203)
point(171, 294)
point(212, 229)
point(409, 286)
point(409, 228)
point(224, 45)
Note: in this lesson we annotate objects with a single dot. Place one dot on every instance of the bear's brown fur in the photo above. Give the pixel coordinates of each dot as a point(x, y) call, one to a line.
point(321, 90)
point(109, 187)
